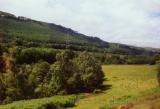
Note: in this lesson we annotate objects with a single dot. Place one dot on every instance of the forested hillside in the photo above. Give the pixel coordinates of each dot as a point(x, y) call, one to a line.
point(31, 33)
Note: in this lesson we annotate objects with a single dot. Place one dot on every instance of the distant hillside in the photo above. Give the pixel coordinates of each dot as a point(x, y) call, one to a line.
point(35, 30)
point(51, 34)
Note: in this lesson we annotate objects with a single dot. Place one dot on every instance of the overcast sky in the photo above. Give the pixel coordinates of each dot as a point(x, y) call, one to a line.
point(134, 22)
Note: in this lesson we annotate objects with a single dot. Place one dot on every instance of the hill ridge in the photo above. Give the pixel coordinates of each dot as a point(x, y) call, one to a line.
point(38, 31)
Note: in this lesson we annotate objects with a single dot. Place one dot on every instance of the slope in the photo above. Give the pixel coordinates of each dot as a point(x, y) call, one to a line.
point(41, 32)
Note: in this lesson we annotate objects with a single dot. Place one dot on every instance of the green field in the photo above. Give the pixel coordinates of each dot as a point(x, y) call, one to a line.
point(54, 102)
point(125, 83)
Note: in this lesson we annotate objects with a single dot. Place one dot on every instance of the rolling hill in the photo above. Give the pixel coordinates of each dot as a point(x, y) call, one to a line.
point(57, 36)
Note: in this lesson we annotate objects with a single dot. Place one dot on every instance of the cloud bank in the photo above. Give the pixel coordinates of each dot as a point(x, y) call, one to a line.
point(134, 22)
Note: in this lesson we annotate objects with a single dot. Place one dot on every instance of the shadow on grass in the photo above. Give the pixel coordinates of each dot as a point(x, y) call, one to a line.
point(100, 90)
point(103, 88)
point(106, 87)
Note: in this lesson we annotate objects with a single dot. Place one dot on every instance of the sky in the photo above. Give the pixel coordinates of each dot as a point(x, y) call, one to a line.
point(133, 22)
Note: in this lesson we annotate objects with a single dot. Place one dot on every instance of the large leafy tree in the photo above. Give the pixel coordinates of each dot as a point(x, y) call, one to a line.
point(64, 61)
point(37, 77)
point(90, 72)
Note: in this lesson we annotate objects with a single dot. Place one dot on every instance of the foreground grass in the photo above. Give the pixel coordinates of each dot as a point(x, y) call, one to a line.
point(124, 83)
point(56, 102)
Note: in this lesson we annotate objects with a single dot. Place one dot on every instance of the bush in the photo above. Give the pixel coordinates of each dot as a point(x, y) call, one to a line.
point(55, 102)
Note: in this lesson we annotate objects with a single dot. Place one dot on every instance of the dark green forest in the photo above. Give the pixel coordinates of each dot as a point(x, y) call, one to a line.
point(42, 73)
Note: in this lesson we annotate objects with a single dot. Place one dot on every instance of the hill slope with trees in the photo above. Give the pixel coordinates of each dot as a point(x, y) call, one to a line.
point(27, 32)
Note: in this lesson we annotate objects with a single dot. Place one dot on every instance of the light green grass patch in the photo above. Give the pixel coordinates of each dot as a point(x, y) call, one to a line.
point(58, 101)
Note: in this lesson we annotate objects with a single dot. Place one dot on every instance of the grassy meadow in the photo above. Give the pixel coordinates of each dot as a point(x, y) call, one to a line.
point(124, 83)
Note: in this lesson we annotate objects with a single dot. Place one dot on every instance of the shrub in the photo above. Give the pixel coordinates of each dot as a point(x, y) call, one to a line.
point(55, 102)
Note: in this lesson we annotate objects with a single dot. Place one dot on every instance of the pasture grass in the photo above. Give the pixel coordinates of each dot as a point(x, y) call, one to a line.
point(125, 83)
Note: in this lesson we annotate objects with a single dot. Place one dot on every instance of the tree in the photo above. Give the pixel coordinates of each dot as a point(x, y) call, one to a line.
point(56, 81)
point(22, 80)
point(64, 61)
point(33, 55)
point(69, 74)
point(12, 91)
point(37, 77)
point(90, 71)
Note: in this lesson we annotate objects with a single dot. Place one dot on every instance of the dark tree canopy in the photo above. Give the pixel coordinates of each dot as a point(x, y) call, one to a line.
point(36, 75)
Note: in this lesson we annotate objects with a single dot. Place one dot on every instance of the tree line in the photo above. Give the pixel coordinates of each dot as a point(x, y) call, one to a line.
point(34, 73)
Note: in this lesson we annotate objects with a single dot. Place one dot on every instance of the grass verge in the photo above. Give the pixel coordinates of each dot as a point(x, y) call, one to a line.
point(55, 102)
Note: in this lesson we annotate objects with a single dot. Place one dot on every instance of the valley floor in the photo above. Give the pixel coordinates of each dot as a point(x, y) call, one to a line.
point(124, 83)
